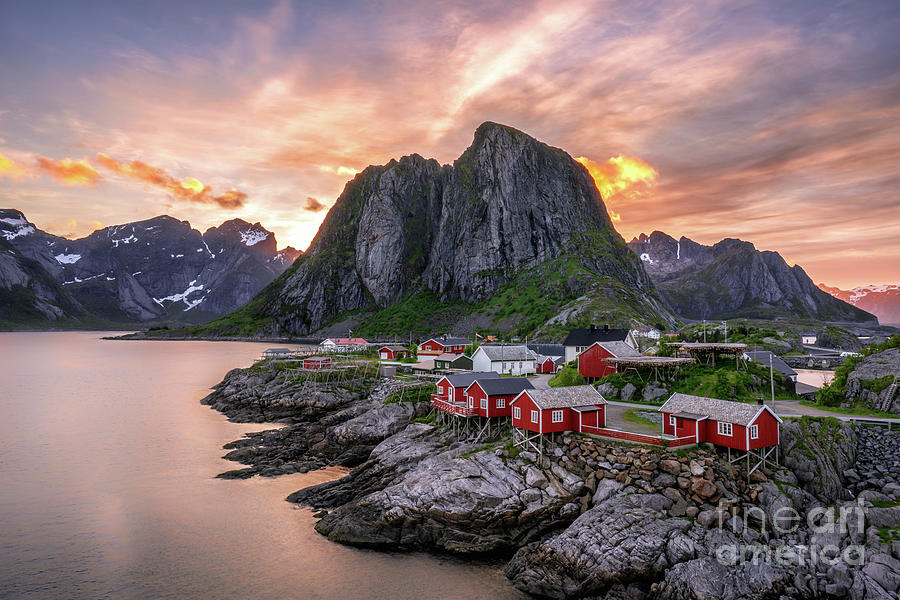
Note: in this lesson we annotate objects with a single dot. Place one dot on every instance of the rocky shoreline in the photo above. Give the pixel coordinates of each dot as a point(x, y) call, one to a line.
point(589, 518)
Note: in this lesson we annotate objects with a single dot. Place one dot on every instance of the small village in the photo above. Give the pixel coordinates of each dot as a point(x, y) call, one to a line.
point(482, 389)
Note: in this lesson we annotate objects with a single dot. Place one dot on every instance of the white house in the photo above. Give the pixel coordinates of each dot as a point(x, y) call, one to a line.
point(580, 340)
point(808, 339)
point(651, 334)
point(506, 360)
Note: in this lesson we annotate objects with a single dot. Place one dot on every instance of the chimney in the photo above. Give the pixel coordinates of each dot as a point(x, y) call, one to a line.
point(759, 401)
point(593, 328)
point(606, 327)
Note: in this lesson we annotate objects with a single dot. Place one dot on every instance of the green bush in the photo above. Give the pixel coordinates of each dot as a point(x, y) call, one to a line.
point(834, 393)
point(568, 376)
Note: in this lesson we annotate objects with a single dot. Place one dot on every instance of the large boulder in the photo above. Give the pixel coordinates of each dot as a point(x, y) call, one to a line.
point(626, 538)
point(875, 381)
point(818, 451)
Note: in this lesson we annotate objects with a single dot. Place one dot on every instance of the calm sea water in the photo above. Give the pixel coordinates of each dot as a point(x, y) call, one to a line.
point(108, 489)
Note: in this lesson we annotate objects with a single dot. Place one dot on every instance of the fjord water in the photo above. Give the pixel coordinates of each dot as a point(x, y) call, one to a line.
point(108, 488)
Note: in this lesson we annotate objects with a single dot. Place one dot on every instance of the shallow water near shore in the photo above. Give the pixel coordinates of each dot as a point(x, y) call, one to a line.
point(108, 488)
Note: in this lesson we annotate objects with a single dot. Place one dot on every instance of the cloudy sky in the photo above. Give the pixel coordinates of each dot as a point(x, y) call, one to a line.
point(777, 122)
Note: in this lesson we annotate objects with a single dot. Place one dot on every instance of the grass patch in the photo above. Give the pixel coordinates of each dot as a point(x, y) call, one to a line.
point(854, 410)
point(633, 417)
point(569, 375)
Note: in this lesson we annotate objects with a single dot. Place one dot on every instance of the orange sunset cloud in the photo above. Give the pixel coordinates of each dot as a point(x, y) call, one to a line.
point(620, 177)
point(188, 189)
point(69, 172)
point(10, 168)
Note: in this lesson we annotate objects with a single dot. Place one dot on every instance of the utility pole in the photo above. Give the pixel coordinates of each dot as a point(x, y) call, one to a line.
point(704, 331)
point(772, 377)
point(725, 323)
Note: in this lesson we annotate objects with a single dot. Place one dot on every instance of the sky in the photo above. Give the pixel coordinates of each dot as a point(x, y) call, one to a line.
point(774, 122)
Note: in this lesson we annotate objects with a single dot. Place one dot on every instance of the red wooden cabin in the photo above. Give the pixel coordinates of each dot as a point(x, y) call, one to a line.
point(392, 352)
point(314, 363)
point(452, 387)
point(721, 422)
point(547, 364)
point(574, 408)
point(491, 397)
point(437, 346)
point(592, 361)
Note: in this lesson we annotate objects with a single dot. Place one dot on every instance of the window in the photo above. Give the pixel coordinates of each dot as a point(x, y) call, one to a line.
point(534, 416)
point(724, 428)
point(484, 404)
point(672, 420)
point(517, 412)
point(556, 416)
point(501, 403)
point(754, 432)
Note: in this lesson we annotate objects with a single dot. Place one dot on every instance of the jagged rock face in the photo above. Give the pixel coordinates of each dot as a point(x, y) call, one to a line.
point(29, 294)
point(883, 301)
point(734, 279)
point(155, 269)
point(461, 231)
point(876, 381)
point(818, 452)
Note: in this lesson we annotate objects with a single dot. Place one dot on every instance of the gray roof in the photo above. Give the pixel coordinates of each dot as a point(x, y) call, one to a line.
point(566, 397)
point(777, 364)
point(466, 379)
point(450, 341)
point(586, 337)
point(726, 411)
point(504, 385)
point(507, 352)
point(278, 350)
point(548, 349)
point(395, 347)
point(543, 358)
point(447, 357)
point(619, 349)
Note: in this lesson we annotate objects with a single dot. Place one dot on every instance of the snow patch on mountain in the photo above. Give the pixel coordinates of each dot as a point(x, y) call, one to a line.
point(646, 258)
point(253, 237)
point(22, 226)
point(67, 259)
point(185, 296)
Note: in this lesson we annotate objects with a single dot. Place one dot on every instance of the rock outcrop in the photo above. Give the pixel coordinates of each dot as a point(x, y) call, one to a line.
point(875, 381)
point(733, 279)
point(592, 518)
point(154, 270)
point(510, 206)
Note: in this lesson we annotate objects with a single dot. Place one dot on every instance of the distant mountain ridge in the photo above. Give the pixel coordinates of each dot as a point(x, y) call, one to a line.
point(159, 269)
point(733, 279)
point(883, 301)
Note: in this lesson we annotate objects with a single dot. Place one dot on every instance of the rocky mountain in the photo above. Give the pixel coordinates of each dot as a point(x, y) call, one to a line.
point(29, 294)
point(153, 270)
point(734, 279)
point(883, 301)
point(414, 241)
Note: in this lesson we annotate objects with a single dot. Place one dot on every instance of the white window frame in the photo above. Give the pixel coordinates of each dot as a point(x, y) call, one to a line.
point(672, 420)
point(754, 432)
point(501, 402)
point(535, 416)
point(556, 416)
point(725, 429)
point(517, 412)
point(484, 404)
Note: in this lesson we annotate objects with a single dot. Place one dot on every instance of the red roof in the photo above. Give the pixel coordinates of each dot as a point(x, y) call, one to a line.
point(348, 340)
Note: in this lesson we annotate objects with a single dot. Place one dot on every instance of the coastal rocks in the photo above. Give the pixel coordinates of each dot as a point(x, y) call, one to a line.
point(875, 381)
point(626, 538)
point(706, 577)
point(818, 451)
point(453, 501)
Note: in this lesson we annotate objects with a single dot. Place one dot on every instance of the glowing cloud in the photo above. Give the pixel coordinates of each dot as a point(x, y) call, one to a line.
point(69, 172)
point(10, 168)
point(188, 189)
point(620, 175)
